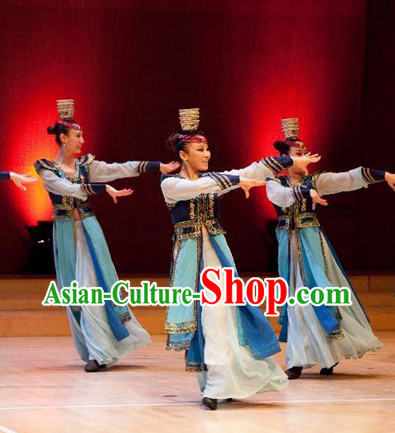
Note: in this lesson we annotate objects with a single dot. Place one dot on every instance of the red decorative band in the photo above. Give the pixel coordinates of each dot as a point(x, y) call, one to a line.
point(69, 125)
point(195, 138)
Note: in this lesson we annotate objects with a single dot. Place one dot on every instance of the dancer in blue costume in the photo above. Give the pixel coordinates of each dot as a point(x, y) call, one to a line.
point(230, 347)
point(20, 180)
point(102, 334)
point(320, 335)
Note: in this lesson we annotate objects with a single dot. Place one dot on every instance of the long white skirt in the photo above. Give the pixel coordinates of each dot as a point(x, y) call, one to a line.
point(308, 344)
point(93, 337)
point(232, 370)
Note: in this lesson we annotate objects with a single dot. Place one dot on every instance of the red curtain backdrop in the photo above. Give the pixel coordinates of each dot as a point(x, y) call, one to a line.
point(131, 65)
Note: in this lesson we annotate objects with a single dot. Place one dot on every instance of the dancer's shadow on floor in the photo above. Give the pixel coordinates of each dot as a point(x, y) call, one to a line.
point(127, 367)
point(242, 405)
point(343, 376)
point(76, 367)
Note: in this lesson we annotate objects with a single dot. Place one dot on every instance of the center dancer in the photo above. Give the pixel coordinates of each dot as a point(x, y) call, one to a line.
point(230, 347)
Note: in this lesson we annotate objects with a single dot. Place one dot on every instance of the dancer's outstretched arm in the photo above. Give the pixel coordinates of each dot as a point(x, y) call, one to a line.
point(361, 177)
point(101, 171)
point(176, 189)
point(60, 186)
point(325, 184)
point(272, 166)
point(20, 180)
point(285, 196)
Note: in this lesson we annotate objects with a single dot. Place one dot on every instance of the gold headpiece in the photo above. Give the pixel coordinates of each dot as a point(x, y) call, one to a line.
point(189, 119)
point(65, 108)
point(290, 127)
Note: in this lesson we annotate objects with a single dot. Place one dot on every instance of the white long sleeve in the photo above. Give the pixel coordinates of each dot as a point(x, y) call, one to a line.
point(278, 194)
point(332, 183)
point(325, 184)
point(263, 169)
point(176, 189)
point(100, 171)
point(61, 186)
point(255, 171)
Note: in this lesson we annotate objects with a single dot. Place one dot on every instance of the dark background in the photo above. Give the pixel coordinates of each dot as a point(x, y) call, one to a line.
point(131, 65)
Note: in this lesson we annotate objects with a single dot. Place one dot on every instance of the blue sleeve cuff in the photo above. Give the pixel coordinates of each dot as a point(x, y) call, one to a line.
point(300, 193)
point(277, 164)
point(93, 188)
point(4, 175)
point(373, 176)
point(225, 180)
point(145, 166)
point(284, 161)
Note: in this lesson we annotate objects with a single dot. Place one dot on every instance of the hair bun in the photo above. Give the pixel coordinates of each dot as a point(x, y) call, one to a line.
point(282, 147)
point(51, 130)
point(171, 142)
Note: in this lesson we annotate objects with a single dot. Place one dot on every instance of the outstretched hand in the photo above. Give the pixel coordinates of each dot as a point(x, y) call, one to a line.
point(390, 178)
point(303, 161)
point(114, 193)
point(317, 199)
point(170, 167)
point(21, 179)
point(247, 184)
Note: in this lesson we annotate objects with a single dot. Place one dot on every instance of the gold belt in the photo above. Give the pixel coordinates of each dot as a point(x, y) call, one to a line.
point(193, 229)
point(62, 212)
point(302, 220)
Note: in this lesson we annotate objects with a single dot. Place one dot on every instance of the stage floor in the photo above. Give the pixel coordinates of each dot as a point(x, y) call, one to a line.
point(43, 388)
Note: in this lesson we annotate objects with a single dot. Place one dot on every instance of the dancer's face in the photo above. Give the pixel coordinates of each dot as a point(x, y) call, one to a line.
point(73, 141)
point(297, 151)
point(196, 155)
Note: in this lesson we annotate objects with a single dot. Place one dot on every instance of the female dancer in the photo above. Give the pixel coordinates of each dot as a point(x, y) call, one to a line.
point(19, 179)
point(101, 334)
point(320, 335)
point(230, 347)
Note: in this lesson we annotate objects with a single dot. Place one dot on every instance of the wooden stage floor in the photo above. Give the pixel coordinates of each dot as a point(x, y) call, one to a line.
point(43, 388)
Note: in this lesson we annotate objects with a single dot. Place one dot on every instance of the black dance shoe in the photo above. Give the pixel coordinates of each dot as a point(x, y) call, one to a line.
point(92, 366)
point(210, 403)
point(327, 371)
point(293, 372)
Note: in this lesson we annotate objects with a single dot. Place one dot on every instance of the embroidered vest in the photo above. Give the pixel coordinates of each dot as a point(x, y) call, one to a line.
point(189, 216)
point(300, 214)
point(64, 205)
